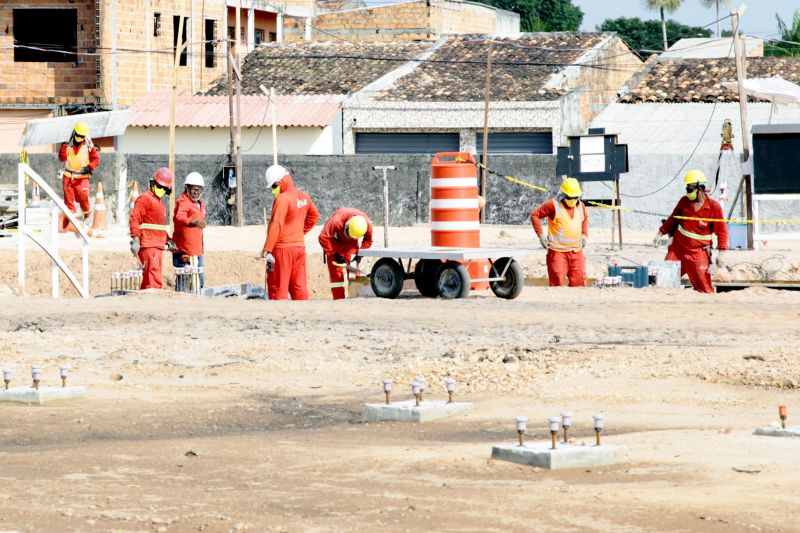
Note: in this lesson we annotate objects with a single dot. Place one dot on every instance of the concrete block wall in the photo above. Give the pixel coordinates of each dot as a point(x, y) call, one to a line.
point(459, 17)
point(42, 82)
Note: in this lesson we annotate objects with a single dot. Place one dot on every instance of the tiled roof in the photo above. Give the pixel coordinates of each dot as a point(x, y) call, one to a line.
point(319, 68)
point(521, 66)
point(214, 111)
point(699, 80)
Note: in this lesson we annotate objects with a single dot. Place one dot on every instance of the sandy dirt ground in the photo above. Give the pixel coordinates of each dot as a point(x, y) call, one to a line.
point(230, 415)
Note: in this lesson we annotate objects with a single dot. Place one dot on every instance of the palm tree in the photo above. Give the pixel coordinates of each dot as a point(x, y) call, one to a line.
point(711, 3)
point(670, 6)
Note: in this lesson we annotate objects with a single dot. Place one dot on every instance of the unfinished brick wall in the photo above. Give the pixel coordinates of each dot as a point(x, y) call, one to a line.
point(48, 82)
point(137, 73)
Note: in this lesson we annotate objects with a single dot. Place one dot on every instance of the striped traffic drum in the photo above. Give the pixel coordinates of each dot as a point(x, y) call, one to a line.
point(455, 214)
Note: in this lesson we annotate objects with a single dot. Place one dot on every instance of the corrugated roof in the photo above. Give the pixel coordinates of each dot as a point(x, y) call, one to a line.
point(317, 110)
point(668, 128)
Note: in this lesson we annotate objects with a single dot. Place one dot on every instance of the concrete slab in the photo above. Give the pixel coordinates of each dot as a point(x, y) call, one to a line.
point(772, 431)
point(30, 395)
point(565, 456)
point(407, 411)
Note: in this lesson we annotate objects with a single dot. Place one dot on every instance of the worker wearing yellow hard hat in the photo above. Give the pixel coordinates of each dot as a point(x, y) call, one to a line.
point(692, 239)
point(80, 159)
point(567, 232)
point(339, 239)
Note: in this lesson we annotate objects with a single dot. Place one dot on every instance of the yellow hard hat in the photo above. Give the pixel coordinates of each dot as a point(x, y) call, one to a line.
point(570, 187)
point(357, 227)
point(694, 176)
point(82, 129)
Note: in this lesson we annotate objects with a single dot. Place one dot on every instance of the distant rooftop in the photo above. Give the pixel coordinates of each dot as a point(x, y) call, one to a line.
point(707, 48)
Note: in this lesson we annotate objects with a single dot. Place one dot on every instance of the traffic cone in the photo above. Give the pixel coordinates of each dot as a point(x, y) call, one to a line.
point(134, 194)
point(100, 220)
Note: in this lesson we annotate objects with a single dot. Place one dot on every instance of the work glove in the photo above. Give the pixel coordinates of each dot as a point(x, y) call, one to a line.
point(584, 238)
point(135, 245)
point(338, 259)
point(543, 241)
point(720, 259)
point(198, 223)
point(86, 170)
point(269, 259)
point(171, 246)
point(657, 239)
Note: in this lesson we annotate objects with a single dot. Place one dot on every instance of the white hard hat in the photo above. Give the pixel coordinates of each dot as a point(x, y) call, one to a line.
point(194, 178)
point(274, 173)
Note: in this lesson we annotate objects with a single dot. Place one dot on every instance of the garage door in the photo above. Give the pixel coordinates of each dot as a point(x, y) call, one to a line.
point(406, 143)
point(512, 142)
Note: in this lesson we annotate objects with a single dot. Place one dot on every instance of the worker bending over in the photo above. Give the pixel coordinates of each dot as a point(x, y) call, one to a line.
point(80, 160)
point(149, 232)
point(691, 239)
point(189, 222)
point(293, 215)
point(567, 232)
point(339, 240)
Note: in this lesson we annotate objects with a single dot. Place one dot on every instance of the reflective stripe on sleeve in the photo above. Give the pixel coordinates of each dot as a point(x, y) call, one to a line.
point(156, 227)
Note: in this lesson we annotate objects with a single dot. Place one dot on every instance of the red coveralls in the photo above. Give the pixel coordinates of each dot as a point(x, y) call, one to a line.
point(691, 238)
point(188, 239)
point(74, 184)
point(293, 215)
point(148, 222)
point(335, 240)
point(570, 264)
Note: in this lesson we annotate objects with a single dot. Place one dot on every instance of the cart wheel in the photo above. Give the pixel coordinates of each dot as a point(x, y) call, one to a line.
point(511, 287)
point(425, 277)
point(387, 278)
point(452, 280)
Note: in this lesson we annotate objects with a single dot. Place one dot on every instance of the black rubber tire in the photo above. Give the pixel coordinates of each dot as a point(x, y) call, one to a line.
point(386, 278)
point(452, 280)
point(511, 287)
point(425, 277)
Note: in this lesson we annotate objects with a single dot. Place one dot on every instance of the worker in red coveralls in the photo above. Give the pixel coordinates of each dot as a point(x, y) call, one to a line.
point(80, 160)
point(293, 215)
point(149, 232)
point(188, 222)
point(567, 232)
point(339, 240)
point(691, 239)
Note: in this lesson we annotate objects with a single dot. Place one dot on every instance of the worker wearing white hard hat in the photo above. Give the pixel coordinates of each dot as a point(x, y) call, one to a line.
point(190, 221)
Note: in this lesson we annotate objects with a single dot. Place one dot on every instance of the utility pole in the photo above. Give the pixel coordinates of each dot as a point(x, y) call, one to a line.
point(741, 74)
point(180, 45)
point(239, 177)
point(487, 90)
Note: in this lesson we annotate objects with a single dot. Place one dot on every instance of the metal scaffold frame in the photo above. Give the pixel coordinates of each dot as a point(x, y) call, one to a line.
point(51, 249)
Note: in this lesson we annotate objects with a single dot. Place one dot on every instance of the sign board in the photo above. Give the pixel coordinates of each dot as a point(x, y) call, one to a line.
point(59, 129)
point(592, 157)
point(775, 150)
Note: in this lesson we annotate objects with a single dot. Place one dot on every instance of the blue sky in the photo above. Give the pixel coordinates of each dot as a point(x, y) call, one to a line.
point(759, 19)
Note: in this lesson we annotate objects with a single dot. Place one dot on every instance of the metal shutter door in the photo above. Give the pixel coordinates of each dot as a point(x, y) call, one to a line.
point(406, 143)
point(522, 142)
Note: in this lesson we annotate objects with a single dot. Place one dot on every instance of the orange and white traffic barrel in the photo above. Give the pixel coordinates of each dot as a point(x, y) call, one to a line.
point(454, 209)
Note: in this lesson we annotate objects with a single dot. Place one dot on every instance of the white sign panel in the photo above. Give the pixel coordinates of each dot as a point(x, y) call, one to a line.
point(592, 145)
point(593, 163)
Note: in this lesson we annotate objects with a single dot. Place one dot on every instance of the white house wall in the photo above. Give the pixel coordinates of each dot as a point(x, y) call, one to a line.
point(308, 141)
point(462, 117)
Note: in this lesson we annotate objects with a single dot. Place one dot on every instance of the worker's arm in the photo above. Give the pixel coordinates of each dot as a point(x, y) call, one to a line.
point(62, 152)
point(720, 228)
point(367, 241)
point(181, 213)
point(671, 224)
point(326, 236)
point(585, 225)
point(276, 222)
point(546, 210)
point(94, 158)
point(136, 217)
point(311, 217)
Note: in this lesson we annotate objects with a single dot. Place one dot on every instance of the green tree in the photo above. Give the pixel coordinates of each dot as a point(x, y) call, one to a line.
point(646, 34)
point(788, 33)
point(669, 6)
point(716, 3)
point(543, 15)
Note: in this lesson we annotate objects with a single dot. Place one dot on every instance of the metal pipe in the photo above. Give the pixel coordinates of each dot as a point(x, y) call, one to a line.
point(6, 377)
point(554, 422)
point(566, 423)
point(387, 390)
point(522, 423)
point(782, 414)
point(598, 427)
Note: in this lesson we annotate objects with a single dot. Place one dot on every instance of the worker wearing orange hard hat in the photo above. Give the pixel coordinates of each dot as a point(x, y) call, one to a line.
point(293, 215)
point(339, 239)
point(567, 232)
point(692, 236)
point(80, 159)
point(149, 229)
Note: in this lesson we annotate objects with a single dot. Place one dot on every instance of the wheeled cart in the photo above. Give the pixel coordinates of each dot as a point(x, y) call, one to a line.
point(439, 271)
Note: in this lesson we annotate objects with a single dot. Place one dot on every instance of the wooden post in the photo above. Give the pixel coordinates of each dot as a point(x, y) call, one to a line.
point(179, 47)
point(274, 103)
point(239, 177)
point(232, 147)
point(487, 89)
point(741, 74)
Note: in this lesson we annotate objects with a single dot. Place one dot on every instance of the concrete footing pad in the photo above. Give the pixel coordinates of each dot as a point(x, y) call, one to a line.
point(407, 411)
point(778, 432)
point(565, 456)
point(38, 396)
